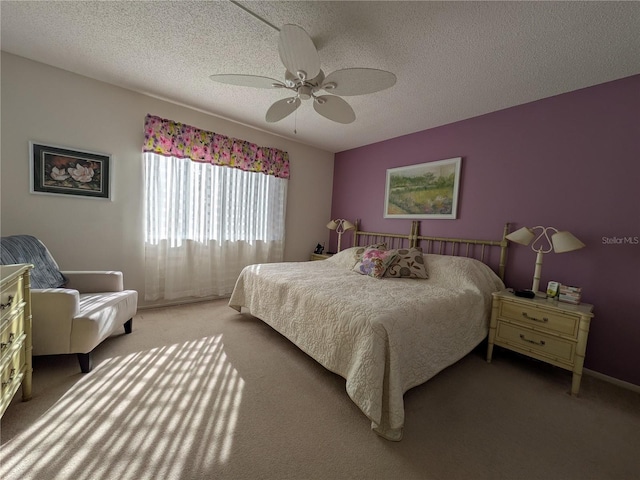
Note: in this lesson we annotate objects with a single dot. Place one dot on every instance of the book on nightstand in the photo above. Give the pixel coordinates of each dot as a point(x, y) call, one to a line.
point(569, 294)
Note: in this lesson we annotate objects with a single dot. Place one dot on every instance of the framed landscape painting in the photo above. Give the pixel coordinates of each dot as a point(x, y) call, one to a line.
point(426, 190)
point(61, 171)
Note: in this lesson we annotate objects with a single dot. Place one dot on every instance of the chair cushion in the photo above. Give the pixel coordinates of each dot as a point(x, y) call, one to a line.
point(100, 315)
point(28, 249)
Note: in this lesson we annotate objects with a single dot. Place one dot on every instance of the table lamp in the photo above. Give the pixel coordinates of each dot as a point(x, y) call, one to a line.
point(340, 225)
point(560, 242)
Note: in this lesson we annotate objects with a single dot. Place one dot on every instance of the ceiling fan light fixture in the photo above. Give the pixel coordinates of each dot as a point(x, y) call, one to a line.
point(304, 92)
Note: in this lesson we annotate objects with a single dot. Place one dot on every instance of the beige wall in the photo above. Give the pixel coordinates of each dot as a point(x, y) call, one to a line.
point(52, 106)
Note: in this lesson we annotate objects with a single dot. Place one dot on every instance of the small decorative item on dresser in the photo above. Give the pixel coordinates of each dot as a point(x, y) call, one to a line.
point(570, 294)
point(553, 289)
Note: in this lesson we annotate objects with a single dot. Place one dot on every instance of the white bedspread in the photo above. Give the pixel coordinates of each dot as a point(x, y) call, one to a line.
point(384, 336)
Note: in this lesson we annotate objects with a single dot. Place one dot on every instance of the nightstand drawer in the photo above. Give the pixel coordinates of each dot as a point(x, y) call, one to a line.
point(12, 367)
point(12, 328)
point(536, 342)
point(11, 297)
point(540, 318)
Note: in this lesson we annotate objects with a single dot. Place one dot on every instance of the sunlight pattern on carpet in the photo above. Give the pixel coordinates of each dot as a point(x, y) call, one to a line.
point(150, 414)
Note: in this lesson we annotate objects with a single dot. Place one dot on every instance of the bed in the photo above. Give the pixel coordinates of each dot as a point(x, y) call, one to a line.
point(383, 335)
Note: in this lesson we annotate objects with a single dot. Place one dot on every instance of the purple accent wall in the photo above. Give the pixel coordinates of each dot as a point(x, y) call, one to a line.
point(572, 162)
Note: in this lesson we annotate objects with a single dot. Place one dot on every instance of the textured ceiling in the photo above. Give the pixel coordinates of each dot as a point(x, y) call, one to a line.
point(453, 60)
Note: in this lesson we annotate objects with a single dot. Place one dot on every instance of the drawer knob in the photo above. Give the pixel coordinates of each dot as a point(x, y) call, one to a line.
point(528, 317)
point(10, 379)
point(8, 304)
point(9, 341)
point(541, 342)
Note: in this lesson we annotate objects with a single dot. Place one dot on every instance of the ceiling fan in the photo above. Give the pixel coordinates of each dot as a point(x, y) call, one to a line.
point(305, 79)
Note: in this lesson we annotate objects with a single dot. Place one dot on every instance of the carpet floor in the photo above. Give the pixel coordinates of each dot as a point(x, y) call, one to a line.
point(202, 392)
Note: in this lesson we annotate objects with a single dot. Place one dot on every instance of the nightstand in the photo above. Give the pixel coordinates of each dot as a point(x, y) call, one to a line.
point(548, 330)
point(319, 256)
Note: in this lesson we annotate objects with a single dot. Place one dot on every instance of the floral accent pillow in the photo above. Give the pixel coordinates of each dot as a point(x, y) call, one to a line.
point(359, 251)
point(409, 263)
point(375, 262)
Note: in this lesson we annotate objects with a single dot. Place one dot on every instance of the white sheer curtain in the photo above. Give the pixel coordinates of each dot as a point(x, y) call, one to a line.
point(204, 223)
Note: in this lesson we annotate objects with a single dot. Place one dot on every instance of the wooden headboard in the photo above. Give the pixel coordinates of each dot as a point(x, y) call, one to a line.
point(461, 247)
point(393, 240)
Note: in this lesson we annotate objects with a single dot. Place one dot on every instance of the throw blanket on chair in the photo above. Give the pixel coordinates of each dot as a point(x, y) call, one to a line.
point(28, 249)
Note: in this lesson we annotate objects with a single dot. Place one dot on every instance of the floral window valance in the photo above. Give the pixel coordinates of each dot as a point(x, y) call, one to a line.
point(169, 138)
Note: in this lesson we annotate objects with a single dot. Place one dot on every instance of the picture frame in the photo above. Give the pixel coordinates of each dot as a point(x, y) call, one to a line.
point(58, 170)
point(426, 190)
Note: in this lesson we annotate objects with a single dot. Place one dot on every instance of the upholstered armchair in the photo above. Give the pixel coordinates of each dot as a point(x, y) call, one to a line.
point(72, 312)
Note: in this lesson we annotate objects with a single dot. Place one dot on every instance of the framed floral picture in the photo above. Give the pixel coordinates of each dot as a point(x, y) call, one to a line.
point(426, 190)
point(64, 171)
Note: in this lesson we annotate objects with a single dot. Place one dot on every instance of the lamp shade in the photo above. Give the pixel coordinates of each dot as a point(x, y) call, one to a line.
point(332, 225)
point(347, 225)
point(523, 236)
point(565, 242)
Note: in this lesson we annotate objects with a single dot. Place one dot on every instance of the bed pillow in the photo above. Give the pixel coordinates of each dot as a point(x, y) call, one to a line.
point(344, 258)
point(358, 251)
point(375, 262)
point(409, 263)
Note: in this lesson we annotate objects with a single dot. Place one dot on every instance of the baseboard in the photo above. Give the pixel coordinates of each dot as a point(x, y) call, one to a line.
point(180, 302)
point(615, 381)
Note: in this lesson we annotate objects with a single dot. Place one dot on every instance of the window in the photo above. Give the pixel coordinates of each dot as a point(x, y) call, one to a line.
point(204, 223)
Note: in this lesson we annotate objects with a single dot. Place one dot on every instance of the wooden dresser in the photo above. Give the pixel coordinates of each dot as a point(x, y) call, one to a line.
point(548, 330)
point(15, 333)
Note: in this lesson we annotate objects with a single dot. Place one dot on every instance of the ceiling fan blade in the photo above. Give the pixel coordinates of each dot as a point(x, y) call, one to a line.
point(247, 81)
point(297, 51)
point(358, 81)
point(334, 108)
point(282, 108)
